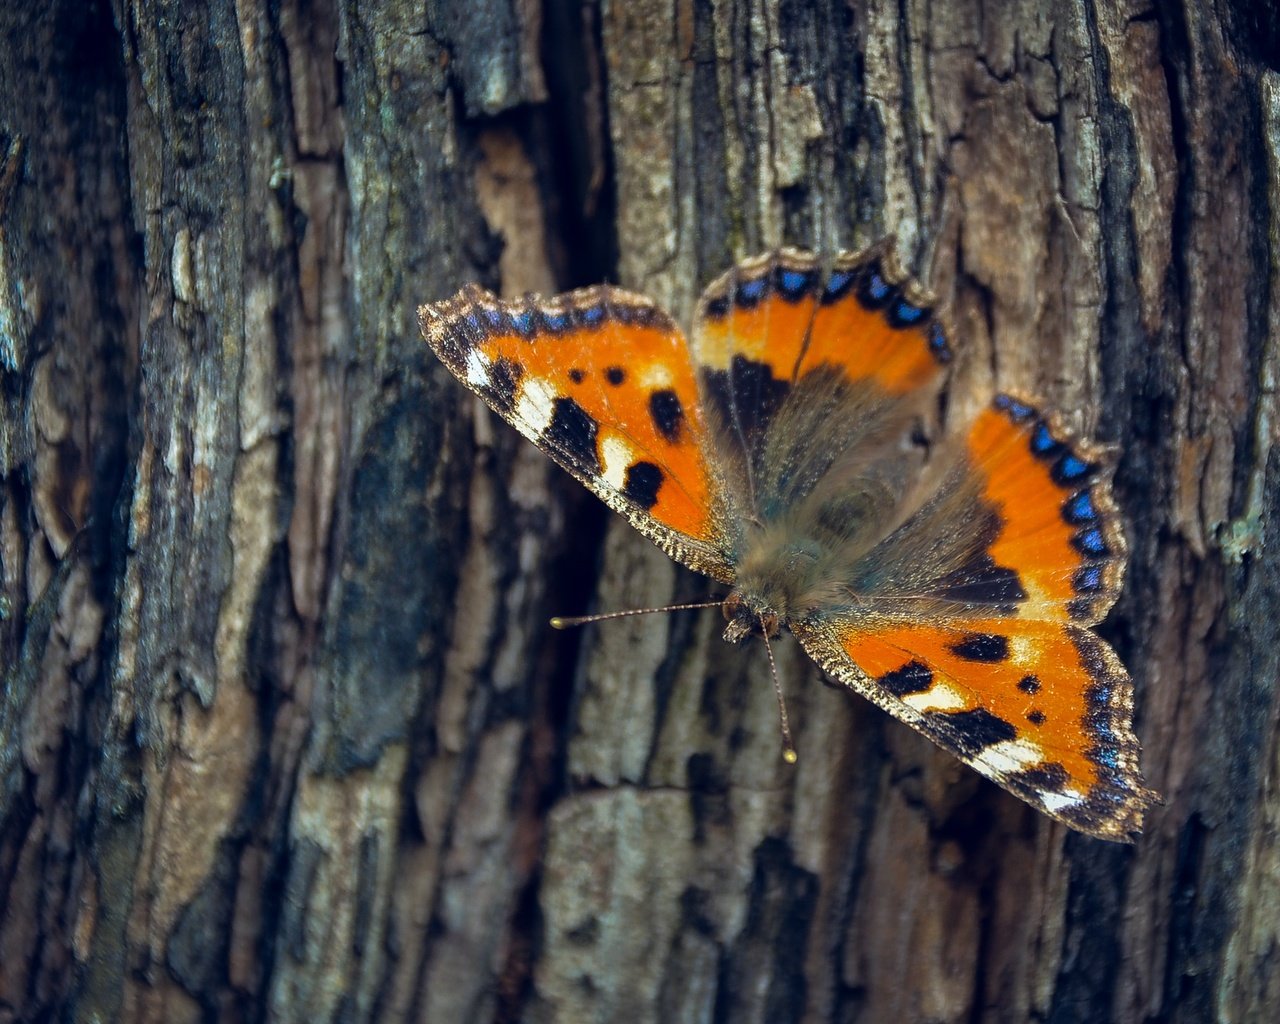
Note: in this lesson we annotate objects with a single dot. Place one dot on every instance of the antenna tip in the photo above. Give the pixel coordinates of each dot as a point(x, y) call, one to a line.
point(790, 756)
point(558, 623)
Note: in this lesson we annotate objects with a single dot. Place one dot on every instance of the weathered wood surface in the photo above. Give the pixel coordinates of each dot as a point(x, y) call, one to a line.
point(283, 732)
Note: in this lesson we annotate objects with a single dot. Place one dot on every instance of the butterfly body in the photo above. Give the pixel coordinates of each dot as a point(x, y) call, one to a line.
point(777, 450)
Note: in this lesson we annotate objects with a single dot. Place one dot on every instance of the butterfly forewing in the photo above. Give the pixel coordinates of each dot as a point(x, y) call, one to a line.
point(601, 380)
point(803, 366)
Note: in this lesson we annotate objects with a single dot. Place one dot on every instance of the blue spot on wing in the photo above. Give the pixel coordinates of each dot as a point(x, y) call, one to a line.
point(837, 284)
point(1071, 467)
point(794, 283)
point(555, 321)
point(751, 291)
point(592, 316)
point(938, 342)
point(1080, 508)
point(1042, 441)
point(1019, 412)
point(1089, 580)
point(905, 314)
point(523, 322)
point(877, 287)
point(1091, 542)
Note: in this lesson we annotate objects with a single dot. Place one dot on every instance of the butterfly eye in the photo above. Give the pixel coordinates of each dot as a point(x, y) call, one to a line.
point(731, 606)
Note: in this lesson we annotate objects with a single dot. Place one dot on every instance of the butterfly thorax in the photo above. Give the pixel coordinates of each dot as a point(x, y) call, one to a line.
point(784, 577)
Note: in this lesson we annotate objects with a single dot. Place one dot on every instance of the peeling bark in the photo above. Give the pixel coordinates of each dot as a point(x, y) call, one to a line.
point(283, 733)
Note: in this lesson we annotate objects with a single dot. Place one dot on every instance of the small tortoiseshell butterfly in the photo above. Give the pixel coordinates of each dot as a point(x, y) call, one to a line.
point(953, 585)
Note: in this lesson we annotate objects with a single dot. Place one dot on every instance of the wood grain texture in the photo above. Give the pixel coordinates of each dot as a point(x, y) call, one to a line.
point(283, 731)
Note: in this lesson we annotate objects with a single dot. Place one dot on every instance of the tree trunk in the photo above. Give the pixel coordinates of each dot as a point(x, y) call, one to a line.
point(284, 734)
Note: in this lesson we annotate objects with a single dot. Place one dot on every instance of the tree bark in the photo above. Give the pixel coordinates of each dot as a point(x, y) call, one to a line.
point(284, 734)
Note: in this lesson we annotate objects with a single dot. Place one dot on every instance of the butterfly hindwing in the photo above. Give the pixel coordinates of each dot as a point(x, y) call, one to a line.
point(1022, 523)
point(968, 621)
point(1058, 523)
point(601, 380)
point(1041, 708)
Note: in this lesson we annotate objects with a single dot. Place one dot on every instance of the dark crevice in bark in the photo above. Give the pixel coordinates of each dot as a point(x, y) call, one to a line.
point(1175, 45)
point(1086, 981)
point(1254, 29)
point(780, 905)
point(1258, 300)
point(714, 233)
point(579, 155)
point(1123, 339)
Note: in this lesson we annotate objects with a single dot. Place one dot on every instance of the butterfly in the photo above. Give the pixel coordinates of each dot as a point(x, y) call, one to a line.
point(778, 450)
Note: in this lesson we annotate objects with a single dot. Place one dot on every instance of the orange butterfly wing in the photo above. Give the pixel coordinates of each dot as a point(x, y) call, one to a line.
point(784, 311)
point(998, 667)
point(601, 380)
point(801, 364)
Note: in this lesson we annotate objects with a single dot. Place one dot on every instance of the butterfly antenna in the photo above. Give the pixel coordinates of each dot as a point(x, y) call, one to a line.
point(788, 747)
point(569, 621)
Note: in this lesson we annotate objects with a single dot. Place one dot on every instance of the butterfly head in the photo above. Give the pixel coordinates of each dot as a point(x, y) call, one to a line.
point(748, 618)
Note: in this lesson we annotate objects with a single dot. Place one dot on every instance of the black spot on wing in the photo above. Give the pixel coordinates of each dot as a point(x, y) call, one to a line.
point(982, 647)
point(577, 376)
point(504, 381)
point(1050, 777)
point(642, 484)
point(913, 677)
point(1029, 684)
point(615, 375)
point(573, 433)
point(667, 414)
point(972, 731)
point(747, 394)
point(981, 581)
point(716, 308)
point(1035, 716)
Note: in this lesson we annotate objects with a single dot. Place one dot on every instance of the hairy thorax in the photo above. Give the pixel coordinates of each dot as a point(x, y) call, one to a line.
point(783, 577)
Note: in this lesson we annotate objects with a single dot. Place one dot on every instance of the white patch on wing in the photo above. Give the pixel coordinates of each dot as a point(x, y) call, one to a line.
point(535, 407)
point(1022, 650)
point(1011, 756)
point(617, 456)
point(655, 377)
point(939, 697)
point(1059, 801)
point(478, 366)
